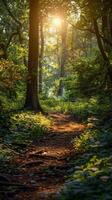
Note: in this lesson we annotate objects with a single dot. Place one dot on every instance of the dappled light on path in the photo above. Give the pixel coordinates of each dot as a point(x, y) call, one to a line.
point(44, 165)
point(65, 124)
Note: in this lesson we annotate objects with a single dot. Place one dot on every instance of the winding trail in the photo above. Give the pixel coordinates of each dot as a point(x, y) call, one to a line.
point(44, 166)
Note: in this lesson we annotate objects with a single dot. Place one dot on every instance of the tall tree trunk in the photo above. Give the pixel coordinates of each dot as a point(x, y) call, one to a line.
point(32, 98)
point(73, 38)
point(110, 23)
point(102, 51)
point(41, 54)
point(105, 29)
point(63, 56)
point(58, 49)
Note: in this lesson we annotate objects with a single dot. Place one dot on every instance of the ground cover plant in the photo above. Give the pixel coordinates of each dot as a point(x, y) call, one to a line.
point(92, 175)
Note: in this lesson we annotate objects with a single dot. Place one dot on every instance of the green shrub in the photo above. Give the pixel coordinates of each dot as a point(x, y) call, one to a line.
point(23, 127)
point(27, 126)
point(82, 108)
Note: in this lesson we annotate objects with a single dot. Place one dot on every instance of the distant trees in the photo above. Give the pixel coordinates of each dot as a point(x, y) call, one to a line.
point(57, 55)
point(96, 18)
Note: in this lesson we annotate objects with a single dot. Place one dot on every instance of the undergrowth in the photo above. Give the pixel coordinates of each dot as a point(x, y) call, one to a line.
point(92, 175)
point(82, 108)
point(18, 130)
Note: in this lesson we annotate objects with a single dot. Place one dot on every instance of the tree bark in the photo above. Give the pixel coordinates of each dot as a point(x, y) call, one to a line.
point(110, 23)
point(102, 51)
point(32, 97)
point(105, 29)
point(63, 56)
point(41, 54)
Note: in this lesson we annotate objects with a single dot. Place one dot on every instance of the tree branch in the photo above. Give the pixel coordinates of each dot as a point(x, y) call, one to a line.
point(10, 13)
point(93, 32)
point(10, 39)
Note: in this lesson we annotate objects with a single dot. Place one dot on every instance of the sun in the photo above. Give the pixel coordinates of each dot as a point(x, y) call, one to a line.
point(57, 21)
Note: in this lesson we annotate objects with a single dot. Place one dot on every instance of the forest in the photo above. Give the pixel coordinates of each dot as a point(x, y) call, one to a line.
point(55, 100)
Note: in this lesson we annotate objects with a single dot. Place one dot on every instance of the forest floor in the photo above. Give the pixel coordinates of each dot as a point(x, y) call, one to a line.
point(43, 167)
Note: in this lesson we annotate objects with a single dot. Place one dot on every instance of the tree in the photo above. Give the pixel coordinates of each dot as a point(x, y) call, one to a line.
point(41, 54)
point(63, 55)
point(96, 18)
point(32, 95)
point(13, 28)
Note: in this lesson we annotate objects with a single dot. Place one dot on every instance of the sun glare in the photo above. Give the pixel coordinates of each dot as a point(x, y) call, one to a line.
point(57, 21)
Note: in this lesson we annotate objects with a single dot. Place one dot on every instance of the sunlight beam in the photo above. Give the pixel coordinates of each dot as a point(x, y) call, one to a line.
point(57, 21)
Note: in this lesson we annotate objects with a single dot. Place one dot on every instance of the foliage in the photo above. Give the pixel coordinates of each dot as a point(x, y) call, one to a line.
point(81, 108)
point(87, 77)
point(92, 176)
point(6, 153)
point(20, 129)
point(10, 81)
point(24, 127)
point(8, 157)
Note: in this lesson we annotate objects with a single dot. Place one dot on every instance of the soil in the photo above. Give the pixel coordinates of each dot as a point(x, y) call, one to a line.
point(43, 167)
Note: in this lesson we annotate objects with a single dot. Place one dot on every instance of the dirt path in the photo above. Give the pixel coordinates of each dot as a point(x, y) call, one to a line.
point(44, 166)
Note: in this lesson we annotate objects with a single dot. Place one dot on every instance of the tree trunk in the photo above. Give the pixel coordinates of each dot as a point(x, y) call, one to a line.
point(105, 29)
point(41, 55)
point(63, 56)
point(73, 38)
point(32, 98)
point(102, 51)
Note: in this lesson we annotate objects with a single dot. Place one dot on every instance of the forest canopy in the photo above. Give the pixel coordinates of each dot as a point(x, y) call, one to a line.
point(71, 43)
